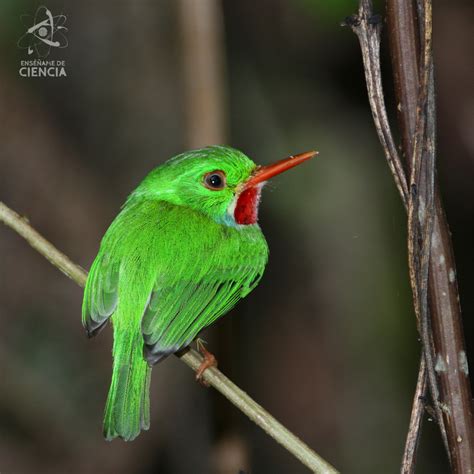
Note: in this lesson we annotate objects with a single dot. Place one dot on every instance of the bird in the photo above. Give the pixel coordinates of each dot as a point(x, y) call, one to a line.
point(184, 249)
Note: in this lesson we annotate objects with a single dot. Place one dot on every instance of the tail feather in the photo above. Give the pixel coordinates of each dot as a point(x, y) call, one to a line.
point(127, 411)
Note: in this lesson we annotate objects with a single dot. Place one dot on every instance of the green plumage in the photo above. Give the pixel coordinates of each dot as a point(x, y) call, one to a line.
point(172, 262)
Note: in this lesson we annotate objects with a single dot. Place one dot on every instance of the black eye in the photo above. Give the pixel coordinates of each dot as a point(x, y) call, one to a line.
point(214, 180)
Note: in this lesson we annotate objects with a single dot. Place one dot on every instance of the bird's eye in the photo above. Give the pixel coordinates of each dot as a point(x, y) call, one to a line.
point(215, 180)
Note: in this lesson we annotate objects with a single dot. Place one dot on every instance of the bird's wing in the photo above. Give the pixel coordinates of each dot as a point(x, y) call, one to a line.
point(100, 294)
point(180, 307)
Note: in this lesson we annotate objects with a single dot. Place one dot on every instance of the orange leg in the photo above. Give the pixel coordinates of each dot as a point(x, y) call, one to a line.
point(208, 361)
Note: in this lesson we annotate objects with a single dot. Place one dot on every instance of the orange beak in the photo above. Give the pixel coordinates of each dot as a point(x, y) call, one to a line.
point(264, 173)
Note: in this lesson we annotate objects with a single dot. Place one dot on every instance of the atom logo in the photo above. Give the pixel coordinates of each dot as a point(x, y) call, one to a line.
point(47, 32)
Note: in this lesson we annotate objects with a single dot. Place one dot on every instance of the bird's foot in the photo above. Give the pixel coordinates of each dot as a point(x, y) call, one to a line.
point(208, 361)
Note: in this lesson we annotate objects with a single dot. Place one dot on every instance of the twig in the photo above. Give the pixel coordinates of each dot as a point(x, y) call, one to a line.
point(367, 28)
point(259, 416)
point(191, 358)
point(416, 418)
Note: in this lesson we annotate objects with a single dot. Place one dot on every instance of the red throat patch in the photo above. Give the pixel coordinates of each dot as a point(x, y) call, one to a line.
point(246, 208)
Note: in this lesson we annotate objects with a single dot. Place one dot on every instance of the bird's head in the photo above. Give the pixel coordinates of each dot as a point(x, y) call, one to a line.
point(219, 181)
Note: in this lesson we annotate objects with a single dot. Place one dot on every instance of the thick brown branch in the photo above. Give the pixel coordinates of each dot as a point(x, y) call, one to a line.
point(453, 402)
point(192, 358)
point(421, 210)
point(367, 28)
point(431, 261)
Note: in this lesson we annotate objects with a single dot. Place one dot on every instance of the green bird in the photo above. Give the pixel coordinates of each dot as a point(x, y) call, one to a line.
point(185, 248)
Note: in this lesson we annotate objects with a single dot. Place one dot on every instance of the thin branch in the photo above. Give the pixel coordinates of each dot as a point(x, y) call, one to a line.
point(416, 418)
point(259, 415)
point(367, 28)
point(22, 227)
point(191, 358)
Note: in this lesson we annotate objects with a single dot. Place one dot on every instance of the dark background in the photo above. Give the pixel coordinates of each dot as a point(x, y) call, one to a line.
point(327, 342)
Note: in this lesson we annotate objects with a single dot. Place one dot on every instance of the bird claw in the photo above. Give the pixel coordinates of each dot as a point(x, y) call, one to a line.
point(208, 361)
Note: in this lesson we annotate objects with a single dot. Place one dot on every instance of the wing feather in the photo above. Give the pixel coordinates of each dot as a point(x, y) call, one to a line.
point(196, 303)
point(101, 294)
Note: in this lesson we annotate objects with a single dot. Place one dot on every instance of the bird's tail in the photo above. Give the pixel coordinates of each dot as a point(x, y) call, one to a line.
point(128, 404)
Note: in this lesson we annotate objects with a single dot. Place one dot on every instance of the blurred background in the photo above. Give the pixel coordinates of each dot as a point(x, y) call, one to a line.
point(327, 342)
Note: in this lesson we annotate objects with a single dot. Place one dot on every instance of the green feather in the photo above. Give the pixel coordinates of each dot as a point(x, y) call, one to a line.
point(171, 263)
